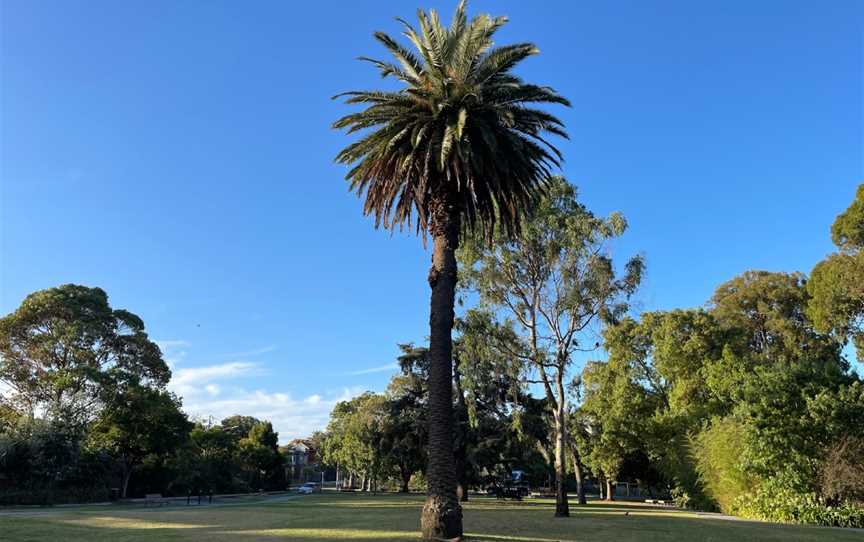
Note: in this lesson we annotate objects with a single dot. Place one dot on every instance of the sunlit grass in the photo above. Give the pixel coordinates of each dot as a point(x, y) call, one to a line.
point(394, 518)
point(115, 522)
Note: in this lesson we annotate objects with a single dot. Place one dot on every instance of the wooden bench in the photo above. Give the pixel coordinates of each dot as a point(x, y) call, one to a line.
point(154, 498)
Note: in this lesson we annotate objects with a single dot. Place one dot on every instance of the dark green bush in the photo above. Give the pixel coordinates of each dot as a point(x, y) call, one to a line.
point(779, 500)
point(42, 496)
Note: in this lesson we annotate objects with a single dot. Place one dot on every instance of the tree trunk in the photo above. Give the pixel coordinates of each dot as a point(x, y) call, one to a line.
point(406, 479)
point(462, 491)
point(460, 435)
point(125, 475)
point(601, 482)
point(442, 515)
point(577, 470)
point(610, 491)
point(562, 507)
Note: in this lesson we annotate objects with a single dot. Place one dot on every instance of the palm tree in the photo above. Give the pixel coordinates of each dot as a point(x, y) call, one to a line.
point(457, 149)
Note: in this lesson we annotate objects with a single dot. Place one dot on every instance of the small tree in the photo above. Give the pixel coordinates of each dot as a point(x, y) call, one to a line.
point(136, 423)
point(259, 456)
point(403, 433)
point(555, 280)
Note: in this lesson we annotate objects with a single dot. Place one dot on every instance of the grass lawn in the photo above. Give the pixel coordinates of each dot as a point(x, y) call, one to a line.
point(359, 517)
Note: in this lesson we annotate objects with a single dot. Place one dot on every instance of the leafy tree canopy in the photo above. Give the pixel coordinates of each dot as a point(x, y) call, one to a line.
point(836, 284)
point(65, 347)
point(139, 422)
point(847, 232)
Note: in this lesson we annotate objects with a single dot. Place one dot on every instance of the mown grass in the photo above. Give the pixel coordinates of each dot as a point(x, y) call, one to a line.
point(322, 518)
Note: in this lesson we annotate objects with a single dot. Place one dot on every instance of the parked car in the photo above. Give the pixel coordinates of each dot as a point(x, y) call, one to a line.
point(308, 488)
point(514, 486)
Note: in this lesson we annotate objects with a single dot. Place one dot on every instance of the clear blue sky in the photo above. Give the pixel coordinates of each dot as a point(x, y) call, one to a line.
point(179, 155)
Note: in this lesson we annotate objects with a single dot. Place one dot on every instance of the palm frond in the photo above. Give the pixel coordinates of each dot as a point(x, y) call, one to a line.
point(463, 130)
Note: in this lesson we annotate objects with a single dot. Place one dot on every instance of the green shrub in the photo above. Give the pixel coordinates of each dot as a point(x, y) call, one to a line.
point(781, 499)
point(43, 496)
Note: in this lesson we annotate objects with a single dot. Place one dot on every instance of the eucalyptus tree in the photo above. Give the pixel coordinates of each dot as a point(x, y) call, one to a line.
point(555, 281)
point(354, 437)
point(65, 349)
point(458, 147)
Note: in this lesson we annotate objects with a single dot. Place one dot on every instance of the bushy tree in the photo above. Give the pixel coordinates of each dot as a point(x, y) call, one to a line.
point(353, 438)
point(65, 348)
point(136, 423)
point(260, 459)
point(404, 431)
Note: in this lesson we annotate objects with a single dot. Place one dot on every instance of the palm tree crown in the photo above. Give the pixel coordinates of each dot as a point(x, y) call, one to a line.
point(459, 134)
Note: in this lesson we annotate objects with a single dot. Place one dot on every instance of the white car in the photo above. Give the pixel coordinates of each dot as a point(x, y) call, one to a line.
point(308, 488)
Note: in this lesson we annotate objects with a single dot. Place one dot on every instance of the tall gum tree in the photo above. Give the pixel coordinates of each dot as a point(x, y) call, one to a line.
point(556, 280)
point(459, 147)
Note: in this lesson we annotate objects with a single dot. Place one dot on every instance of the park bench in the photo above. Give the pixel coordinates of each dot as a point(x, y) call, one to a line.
point(154, 498)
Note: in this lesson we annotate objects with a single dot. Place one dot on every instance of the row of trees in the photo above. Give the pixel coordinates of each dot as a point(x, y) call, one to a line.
point(85, 405)
point(380, 440)
point(747, 405)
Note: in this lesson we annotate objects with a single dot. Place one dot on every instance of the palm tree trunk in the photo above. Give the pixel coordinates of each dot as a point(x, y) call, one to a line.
point(460, 435)
point(442, 515)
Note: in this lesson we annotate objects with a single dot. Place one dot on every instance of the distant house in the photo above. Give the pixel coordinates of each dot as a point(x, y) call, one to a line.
point(301, 461)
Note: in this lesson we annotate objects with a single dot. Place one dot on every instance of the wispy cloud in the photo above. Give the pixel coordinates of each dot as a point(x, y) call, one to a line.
point(218, 390)
point(392, 366)
point(292, 418)
point(213, 392)
point(199, 375)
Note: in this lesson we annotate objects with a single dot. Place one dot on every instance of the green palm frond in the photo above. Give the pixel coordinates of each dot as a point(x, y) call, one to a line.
point(462, 131)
